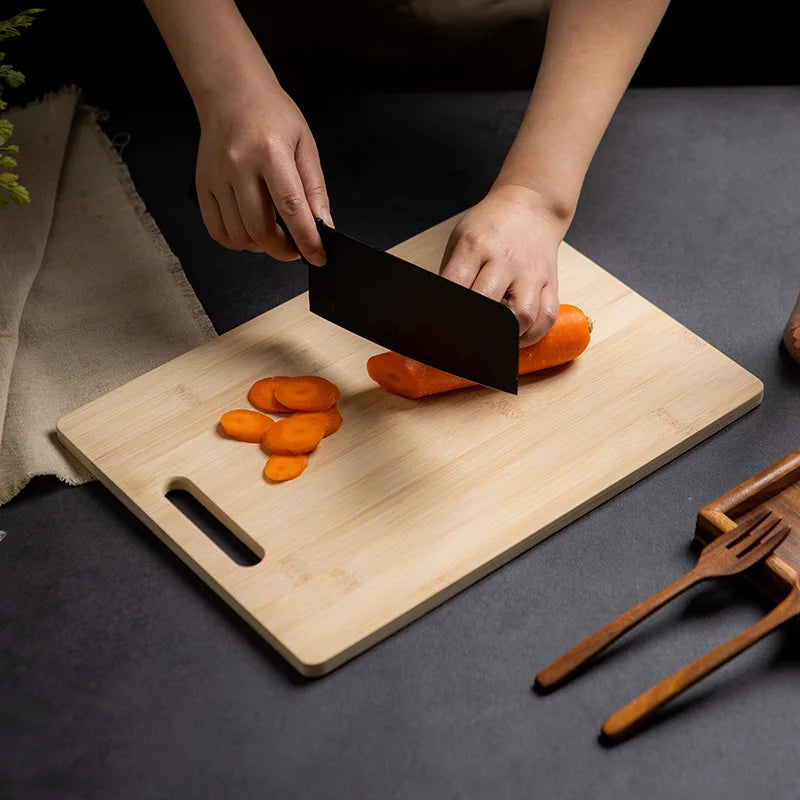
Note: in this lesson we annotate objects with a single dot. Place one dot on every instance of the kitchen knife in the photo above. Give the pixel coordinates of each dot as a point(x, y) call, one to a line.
point(414, 312)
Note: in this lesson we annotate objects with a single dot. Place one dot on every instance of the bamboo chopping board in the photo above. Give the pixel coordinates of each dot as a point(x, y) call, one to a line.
point(411, 501)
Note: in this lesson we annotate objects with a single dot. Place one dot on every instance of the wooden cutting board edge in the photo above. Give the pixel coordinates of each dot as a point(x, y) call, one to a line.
point(315, 670)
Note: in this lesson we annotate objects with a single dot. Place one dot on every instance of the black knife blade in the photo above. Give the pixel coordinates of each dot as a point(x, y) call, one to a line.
point(414, 312)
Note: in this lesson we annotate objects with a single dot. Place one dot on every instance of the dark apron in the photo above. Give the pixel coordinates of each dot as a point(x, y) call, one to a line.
point(422, 44)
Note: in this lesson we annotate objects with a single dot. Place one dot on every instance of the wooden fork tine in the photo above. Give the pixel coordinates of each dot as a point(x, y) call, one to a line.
point(765, 545)
point(736, 533)
point(755, 533)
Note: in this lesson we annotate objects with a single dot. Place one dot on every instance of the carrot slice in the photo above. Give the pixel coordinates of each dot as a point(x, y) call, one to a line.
point(331, 419)
point(262, 394)
point(245, 425)
point(307, 393)
point(566, 340)
point(284, 468)
point(293, 436)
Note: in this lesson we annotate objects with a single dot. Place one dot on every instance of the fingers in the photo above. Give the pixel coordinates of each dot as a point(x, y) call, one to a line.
point(462, 260)
point(212, 217)
point(258, 218)
point(232, 218)
point(535, 324)
point(531, 297)
point(310, 171)
point(289, 198)
point(220, 212)
point(492, 281)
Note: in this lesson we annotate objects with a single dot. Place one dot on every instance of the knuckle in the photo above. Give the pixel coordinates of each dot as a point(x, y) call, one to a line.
point(549, 315)
point(318, 192)
point(474, 240)
point(234, 155)
point(273, 149)
point(289, 205)
point(526, 314)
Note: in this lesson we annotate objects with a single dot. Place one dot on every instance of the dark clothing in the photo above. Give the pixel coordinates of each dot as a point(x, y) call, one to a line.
point(411, 44)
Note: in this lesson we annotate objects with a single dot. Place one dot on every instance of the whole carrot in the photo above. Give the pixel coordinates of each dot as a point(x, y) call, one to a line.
point(565, 341)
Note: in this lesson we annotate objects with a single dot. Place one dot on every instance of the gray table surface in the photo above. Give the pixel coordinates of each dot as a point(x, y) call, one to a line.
point(122, 675)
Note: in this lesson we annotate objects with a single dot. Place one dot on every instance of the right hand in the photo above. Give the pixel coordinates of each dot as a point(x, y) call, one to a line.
point(257, 156)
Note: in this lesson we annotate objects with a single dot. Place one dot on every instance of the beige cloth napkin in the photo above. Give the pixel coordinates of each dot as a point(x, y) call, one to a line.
point(90, 294)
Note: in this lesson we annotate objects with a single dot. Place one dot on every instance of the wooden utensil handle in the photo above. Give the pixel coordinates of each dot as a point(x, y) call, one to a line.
point(624, 720)
point(563, 667)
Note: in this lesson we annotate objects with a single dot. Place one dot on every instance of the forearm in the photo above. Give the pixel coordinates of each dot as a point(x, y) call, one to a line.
point(592, 49)
point(211, 45)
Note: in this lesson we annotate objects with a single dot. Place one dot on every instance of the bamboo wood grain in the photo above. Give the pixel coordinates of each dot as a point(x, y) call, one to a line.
point(730, 554)
point(624, 721)
point(410, 501)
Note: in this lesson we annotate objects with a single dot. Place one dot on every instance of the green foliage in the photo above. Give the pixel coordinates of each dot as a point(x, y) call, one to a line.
point(10, 189)
point(11, 27)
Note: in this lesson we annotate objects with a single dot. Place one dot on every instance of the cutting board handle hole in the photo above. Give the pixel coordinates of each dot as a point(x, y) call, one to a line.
point(216, 530)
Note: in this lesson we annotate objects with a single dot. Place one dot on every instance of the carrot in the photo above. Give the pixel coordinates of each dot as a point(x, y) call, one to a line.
point(566, 340)
point(262, 394)
point(245, 425)
point(331, 419)
point(284, 468)
point(293, 436)
point(307, 393)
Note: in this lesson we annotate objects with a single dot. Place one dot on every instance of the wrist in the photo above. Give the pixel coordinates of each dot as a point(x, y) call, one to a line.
point(225, 86)
point(555, 210)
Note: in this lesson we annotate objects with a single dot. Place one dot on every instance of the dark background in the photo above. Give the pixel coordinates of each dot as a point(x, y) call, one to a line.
point(113, 52)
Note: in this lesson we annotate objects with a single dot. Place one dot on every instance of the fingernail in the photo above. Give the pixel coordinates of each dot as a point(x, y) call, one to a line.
point(317, 259)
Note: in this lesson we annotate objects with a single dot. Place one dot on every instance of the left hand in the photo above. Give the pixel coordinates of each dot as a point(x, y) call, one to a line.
point(506, 248)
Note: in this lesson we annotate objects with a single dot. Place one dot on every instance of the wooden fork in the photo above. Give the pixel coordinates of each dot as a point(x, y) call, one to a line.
point(728, 554)
point(620, 724)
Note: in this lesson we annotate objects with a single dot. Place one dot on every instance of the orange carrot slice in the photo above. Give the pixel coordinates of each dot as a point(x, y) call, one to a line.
point(262, 394)
point(331, 419)
point(565, 341)
point(307, 393)
point(293, 436)
point(245, 425)
point(284, 468)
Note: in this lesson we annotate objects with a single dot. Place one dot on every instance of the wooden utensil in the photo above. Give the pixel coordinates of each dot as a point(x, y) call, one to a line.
point(728, 554)
point(626, 719)
point(776, 488)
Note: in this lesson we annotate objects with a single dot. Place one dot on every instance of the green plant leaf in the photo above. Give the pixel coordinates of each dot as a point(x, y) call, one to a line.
point(9, 183)
point(7, 162)
point(6, 131)
point(19, 194)
point(11, 76)
point(11, 149)
point(10, 27)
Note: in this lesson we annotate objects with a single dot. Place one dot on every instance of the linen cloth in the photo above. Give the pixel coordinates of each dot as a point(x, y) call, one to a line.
point(90, 294)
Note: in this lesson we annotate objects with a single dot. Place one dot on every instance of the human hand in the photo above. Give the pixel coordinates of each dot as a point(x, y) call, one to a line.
point(506, 248)
point(257, 156)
